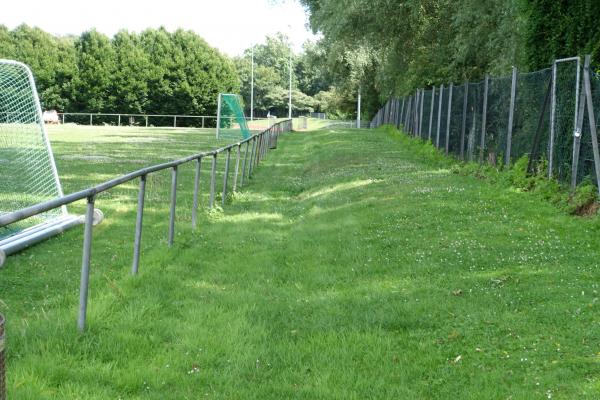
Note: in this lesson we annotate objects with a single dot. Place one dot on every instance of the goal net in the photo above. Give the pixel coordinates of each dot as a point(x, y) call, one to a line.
point(27, 168)
point(231, 121)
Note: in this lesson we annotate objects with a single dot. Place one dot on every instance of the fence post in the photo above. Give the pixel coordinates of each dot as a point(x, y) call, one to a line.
point(237, 166)
point(486, 85)
point(91, 118)
point(464, 122)
point(251, 161)
point(138, 226)
point(119, 119)
point(552, 121)
point(401, 112)
point(85, 263)
point(244, 164)
point(448, 119)
point(2, 359)
point(439, 121)
point(431, 112)
point(415, 115)
point(173, 206)
point(421, 113)
point(226, 177)
point(213, 171)
point(511, 116)
point(196, 192)
point(591, 118)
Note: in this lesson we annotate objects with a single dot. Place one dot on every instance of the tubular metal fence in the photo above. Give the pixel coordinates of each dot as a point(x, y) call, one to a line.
point(501, 119)
point(247, 154)
point(151, 120)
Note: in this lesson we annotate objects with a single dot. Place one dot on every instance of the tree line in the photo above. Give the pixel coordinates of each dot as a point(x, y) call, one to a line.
point(153, 72)
point(393, 47)
point(162, 72)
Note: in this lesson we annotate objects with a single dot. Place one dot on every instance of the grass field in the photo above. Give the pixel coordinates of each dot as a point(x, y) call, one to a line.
point(354, 265)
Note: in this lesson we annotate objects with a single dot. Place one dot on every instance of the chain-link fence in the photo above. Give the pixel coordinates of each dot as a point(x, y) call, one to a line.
point(501, 119)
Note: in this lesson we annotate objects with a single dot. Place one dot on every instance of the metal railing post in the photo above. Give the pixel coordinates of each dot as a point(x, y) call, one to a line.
point(196, 192)
point(237, 166)
point(85, 263)
point(244, 164)
point(138, 226)
point(251, 161)
point(213, 171)
point(226, 177)
point(511, 116)
point(173, 205)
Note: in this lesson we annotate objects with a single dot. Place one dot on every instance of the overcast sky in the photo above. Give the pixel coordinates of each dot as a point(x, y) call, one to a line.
point(229, 25)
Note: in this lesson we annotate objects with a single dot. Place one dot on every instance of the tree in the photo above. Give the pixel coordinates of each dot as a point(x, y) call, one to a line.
point(96, 60)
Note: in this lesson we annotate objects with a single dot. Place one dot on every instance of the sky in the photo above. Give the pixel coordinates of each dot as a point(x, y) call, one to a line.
point(229, 25)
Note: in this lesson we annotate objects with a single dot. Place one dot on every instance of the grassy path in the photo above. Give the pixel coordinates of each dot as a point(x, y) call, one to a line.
point(354, 266)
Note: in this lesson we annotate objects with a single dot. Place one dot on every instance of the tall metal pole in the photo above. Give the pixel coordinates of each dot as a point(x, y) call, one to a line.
point(358, 110)
point(252, 85)
point(290, 102)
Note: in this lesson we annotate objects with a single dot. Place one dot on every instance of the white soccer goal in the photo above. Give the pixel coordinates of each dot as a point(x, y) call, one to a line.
point(27, 167)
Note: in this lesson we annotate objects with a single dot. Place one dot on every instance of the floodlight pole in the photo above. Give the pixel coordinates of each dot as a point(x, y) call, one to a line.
point(290, 102)
point(218, 115)
point(358, 110)
point(252, 85)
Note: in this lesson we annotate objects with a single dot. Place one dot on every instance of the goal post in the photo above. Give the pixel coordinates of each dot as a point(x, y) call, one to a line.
point(231, 121)
point(27, 166)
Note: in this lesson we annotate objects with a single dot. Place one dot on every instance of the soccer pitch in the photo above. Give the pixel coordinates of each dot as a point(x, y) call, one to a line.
point(87, 155)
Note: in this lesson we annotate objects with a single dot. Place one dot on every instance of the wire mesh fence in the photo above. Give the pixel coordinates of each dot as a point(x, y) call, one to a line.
point(501, 119)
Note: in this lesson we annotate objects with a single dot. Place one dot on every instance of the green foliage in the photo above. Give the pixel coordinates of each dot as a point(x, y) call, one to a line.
point(561, 28)
point(415, 44)
point(156, 72)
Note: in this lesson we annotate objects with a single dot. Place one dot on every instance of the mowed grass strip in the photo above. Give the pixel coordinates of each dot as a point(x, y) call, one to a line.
point(354, 265)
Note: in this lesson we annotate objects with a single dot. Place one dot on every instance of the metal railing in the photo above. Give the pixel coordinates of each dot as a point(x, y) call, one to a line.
point(148, 120)
point(254, 150)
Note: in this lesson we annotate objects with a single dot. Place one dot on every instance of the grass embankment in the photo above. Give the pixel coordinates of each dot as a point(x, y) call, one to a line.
point(355, 265)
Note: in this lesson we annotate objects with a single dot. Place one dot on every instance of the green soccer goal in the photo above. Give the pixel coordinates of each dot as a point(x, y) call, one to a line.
point(231, 121)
